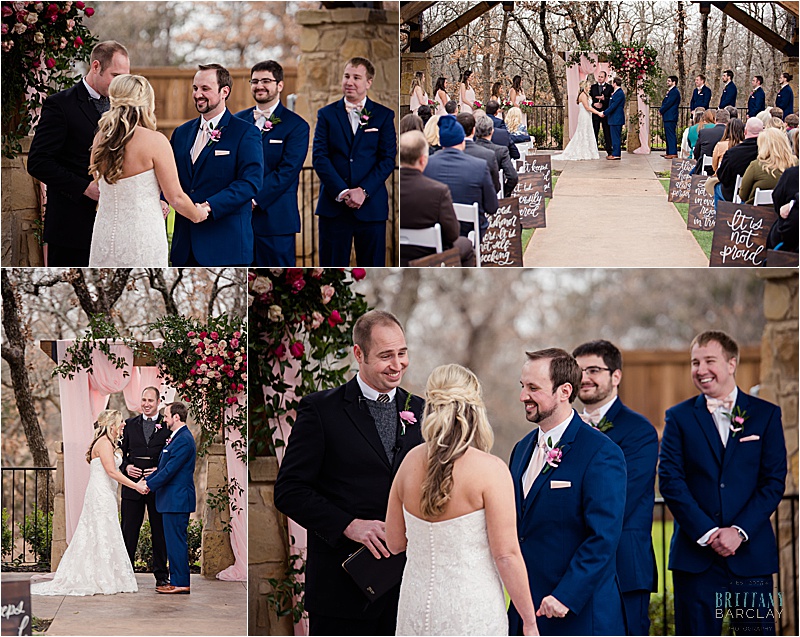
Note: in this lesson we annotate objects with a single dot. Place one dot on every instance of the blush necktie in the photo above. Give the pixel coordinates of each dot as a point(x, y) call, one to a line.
point(536, 465)
point(201, 141)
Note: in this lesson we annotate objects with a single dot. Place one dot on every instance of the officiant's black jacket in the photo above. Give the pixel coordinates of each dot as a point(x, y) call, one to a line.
point(336, 470)
point(134, 445)
point(59, 157)
point(595, 92)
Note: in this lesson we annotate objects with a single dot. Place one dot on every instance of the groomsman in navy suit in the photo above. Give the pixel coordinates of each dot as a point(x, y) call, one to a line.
point(284, 136)
point(615, 113)
point(728, 97)
point(757, 101)
point(669, 113)
point(722, 474)
point(701, 96)
point(221, 166)
point(355, 144)
point(784, 100)
point(601, 363)
point(569, 484)
point(173, 483)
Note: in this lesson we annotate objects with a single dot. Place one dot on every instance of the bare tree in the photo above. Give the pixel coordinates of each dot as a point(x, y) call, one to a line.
point(680, 42)
point(723, 29)
point(545, 52)
point(702, 53)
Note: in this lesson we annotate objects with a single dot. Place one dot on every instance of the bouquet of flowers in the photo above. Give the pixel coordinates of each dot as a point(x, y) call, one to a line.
point(637, 65)
point(526, 106)
point(433, 104)
point(477, 105)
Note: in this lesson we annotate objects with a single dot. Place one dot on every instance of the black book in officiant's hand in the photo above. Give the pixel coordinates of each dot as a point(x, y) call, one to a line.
point(375, 576)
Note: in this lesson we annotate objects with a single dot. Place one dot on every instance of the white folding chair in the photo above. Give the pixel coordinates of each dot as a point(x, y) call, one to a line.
point(736, 187)
point(468, 213)
point(423, 237)
point(708, 162)
point(500, 192)
point(762, 197)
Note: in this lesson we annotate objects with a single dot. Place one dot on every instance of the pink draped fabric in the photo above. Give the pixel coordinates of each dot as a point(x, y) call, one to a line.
point(576, 73)
point(237, 470)
point(644, 126)
point(82, 399)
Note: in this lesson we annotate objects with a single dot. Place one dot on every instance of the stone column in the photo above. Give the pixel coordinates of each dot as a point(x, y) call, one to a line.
point(632, 123)
point(217, 554)
point(20, 212)
point(779, 385)
point(410, 63)
point(59, 540)
point(267, 549)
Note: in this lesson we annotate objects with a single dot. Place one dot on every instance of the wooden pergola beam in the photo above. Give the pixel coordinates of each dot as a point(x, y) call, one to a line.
point(757, 28)
point(791, 7)
point(144, 359)
point(410, 10)
point(449, 29)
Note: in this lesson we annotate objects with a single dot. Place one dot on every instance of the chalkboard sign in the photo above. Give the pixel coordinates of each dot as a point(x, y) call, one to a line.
point(16, 608)
point(447, 259)
point(740, 235)
point(501, 245)
point(680, 180)
point(702, 214)
point(541, 164)
point(782, 259)
point(530, 192)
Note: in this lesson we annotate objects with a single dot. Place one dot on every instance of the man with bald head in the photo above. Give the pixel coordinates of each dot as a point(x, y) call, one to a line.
point(736, 160)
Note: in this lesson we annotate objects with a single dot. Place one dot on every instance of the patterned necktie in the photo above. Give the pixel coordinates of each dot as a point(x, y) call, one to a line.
point(101, 104)
point(383, 398)
point(149, 427)
point(536, 466)
point(201, 141)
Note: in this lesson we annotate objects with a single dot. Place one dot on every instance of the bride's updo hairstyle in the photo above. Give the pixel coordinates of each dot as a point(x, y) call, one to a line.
point(133, 104)
point(584, 88)
point(454, 420)
point(105, 421)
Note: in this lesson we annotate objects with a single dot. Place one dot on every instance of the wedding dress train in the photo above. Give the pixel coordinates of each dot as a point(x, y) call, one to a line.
point(96, 560)
point(129, 229)
point(450, 584)
point(583, 144)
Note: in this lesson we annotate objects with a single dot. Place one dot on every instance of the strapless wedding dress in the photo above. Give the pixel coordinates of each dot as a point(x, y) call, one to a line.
point(96, 561)
point(583, 144)
point(450, 584)
point(129, 229)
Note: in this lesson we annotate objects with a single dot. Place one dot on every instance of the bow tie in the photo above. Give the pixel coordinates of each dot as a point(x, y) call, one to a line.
point(591, 417)
point(257, 114)
point(352, 107)
point(715, 403)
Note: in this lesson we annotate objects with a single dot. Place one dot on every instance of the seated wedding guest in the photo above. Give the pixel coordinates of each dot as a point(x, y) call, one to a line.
point(484, 128)
point(467, 177)
point(722, 473)
point(776, 112)
point(425, 202)
point(785, 97)
point(411, 122)
point(764, 116)
point(425, 113)
point(733, 136)
point(707, 139)
point(774, 122)
point(519, 134)
point(774, 156)
point(697, 117)
point(451, 108)
point(431, 132)
point(734, 112)
point(783, 235)
point(467, 122)
point(791, 121)
point(736, 160)
point(501, 135)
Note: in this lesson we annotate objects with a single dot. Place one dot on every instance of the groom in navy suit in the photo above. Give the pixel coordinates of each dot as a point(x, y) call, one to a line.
point(173, 483)
point(615, 113)
point(284, 135)
point(355, 144)
point(569, 483)
point(601, 363)
point(722, 474)
point(220, 166)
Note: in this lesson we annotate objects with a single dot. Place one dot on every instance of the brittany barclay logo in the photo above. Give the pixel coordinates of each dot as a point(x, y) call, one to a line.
point(748, 605)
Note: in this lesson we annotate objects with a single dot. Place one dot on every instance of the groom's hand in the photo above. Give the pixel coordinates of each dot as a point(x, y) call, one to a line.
point(370, 533)
point(133, 472)
point(551, 607)
point(165, 209)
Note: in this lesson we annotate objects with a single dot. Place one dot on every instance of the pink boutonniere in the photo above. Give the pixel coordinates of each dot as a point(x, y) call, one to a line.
point(737, 416)
point(214, 135)
point(271, 123)
point(363, 117)
point(158, 426)
point(407, 417)
point(553, 457)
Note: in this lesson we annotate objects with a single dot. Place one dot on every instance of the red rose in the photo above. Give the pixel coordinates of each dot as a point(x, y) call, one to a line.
point(50, 62)
point(358, 273)
point(89, 12)
point(335, 318)
point(280, 350)
point(78, 4)
point(78, 42)
point(298, 284)
point(297, 349)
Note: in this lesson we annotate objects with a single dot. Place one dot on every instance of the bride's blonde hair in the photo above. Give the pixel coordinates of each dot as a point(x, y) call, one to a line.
point(102, 427)
point(454, 420)
point(583, 89)
point(133, 104)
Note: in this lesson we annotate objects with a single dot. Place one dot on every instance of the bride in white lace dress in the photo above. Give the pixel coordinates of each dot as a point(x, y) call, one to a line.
point(133, 164)
point(583, 144)
point(452, 510)
point(96, 561)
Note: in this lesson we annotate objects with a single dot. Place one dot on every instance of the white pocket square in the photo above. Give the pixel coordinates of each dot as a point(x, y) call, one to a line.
point(560, 484)
point(371, 130)
point(750, 438)
point(218, 153)
point(275, 141)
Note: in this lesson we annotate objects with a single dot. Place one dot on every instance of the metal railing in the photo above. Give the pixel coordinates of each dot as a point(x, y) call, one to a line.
point(657, 139)
point(27, 516)
point(546, 124)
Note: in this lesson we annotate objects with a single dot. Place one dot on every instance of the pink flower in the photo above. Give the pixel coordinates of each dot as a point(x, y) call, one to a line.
point(78, 4)
point(335, 318)
point(267, 125)
point(214, 336)
point(234, 342)
point(297, 349)
point(190, 334)
point(316, 320)
point(553, 457)
point(89, 12)
point(6, 11)
point(298, 285)
point(237, 334)
point(327, 292)
point(50, 63)
point(409, 417)
point(358, 273)
point(78, 42)
point(738, 420)
point(316, 273)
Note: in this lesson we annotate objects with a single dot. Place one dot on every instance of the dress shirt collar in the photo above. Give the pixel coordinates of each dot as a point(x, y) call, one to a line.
point(214, 121)
point(371, 394)
point(732, 396)
point(92, 93)
point(268, 111)
point(359, 105)
point(602, 410)
point(554, 435)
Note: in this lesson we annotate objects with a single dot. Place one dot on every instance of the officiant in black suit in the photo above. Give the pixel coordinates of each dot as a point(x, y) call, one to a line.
point(60, 151)
point(142, 441)
point(344, 450)
point(600, 93)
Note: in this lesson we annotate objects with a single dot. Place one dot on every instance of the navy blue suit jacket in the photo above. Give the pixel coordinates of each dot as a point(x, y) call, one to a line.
point(173, 481)
point(757, 102)
point(227, 174)
point(707, 485)
point(569, 535)
point(615, 113)
point(669, 106)
point(700, 97)
point(285, 148)
point(343, 160)
point(502, 137)
point(785, 100)
point(728, 97)
point(636, 560)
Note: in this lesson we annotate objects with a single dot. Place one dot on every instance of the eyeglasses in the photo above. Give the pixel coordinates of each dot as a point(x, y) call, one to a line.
point(594, 371)
point(266, 82)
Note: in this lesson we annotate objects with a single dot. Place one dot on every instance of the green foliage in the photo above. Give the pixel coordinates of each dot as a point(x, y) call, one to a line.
point(195, 534)
point(100, 335)
point(8, 536)
point(37, 531)
point(656, 613)
point(557, 133)
point(144, 549)
point(284, 591)
point(224, 500)
point(637, 64)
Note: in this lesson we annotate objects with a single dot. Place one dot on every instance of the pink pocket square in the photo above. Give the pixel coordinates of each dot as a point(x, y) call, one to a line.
point(750, 438)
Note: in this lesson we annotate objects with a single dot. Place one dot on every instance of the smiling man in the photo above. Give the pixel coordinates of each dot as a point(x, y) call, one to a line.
point(722, 474)
point(344, 450)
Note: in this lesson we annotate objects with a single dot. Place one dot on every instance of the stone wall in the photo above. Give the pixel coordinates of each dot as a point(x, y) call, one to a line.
point(20, 212)
point(410, 63)
point(779, 385)
point(217, 554)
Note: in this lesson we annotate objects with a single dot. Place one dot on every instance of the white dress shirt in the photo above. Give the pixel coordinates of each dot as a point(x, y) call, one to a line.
point(212, 125)
point(601, 410)
point(371, 394)
point(553, 437)
point(266, 114)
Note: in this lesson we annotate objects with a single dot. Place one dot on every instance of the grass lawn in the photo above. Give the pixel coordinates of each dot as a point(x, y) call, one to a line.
point(703, 237)
point(662, 552)
point(527, 233)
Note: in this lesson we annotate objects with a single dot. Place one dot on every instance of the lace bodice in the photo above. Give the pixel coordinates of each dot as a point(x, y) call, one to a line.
point(450, 584)
point(129, 228)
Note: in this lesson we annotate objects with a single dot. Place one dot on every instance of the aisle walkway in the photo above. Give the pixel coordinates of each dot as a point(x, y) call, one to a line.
point(213, 608)
point(613, 214)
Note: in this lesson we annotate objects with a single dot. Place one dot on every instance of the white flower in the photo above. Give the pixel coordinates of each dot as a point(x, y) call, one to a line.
point(274, 313)
point(32, 18)
point(38, 37)
point(262, 285)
